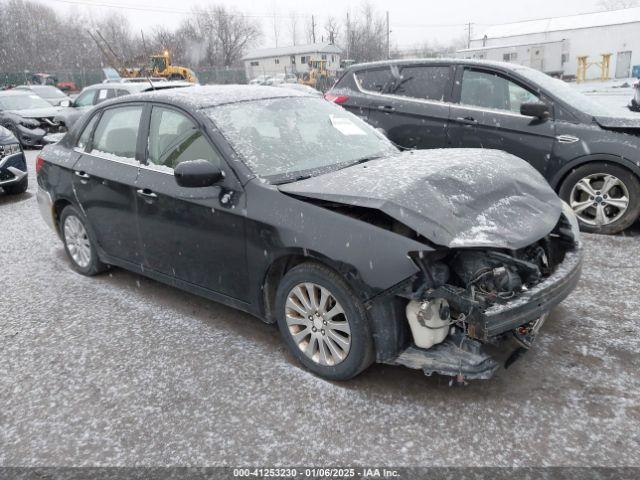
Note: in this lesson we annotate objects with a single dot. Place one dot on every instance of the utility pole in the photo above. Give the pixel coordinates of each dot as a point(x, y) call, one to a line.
point(348, 37)
point(469, 26)
point(388, 37)
point(313, 28)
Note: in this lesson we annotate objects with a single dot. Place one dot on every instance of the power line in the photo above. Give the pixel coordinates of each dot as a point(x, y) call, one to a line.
point(169, 10)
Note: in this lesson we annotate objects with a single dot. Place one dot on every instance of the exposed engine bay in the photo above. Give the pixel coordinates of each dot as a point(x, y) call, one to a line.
point(470, 298)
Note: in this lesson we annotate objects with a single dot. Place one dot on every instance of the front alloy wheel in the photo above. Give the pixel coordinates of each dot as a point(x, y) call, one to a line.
point(317, 323)
point(323, 323)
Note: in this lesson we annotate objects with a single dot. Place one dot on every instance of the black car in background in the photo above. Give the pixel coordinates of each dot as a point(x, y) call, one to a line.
point(29, 117)
point(589, 155)
point(13, 167)
point(288, 207)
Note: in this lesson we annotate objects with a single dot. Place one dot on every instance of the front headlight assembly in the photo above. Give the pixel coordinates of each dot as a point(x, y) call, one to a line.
point(10, 149)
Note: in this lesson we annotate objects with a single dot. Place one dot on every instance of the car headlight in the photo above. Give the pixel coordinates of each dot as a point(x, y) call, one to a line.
point(569, 214)
point(10, 149)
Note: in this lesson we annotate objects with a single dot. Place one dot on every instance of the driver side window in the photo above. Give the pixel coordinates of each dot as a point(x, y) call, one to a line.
point(489, 90)
point(85, 99)
point(174, 138)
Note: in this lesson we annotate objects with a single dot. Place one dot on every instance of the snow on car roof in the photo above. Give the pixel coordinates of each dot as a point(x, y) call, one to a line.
point(212, 95)
point(431, 61)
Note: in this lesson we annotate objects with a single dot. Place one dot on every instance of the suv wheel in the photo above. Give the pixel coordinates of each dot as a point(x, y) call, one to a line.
point(323, 323)
point(78, 243)
point(604, 197)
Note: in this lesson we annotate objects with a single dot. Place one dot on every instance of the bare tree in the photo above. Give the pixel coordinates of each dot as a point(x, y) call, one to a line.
point(618, 4)
point(366, 40)
point(332, 29)
point(293, 27)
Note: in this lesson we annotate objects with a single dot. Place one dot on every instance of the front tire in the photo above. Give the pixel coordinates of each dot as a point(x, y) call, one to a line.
point(17, 188)
point(78, 243)
point(604, 197)
point(323, 323)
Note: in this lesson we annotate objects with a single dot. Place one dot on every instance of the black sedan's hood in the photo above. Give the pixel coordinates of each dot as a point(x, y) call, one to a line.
point(455, 197)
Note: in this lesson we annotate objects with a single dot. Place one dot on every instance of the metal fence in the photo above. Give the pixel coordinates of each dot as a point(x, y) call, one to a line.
point(82, 78)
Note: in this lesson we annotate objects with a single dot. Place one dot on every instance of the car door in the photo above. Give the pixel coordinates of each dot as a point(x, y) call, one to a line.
point(105, 179)
point(195, 235)
point(487, 115)
point(413, 107)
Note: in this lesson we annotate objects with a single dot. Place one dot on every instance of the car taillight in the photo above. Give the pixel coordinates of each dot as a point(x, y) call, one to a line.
point(332, 97)
point(39, 162)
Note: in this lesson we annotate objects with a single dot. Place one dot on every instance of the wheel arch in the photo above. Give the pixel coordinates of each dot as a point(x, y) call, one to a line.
point(557, 180)
point(385, 314)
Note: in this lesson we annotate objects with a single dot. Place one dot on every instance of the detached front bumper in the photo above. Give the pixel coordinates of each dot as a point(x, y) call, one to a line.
point(466, 355)
point(531, 305)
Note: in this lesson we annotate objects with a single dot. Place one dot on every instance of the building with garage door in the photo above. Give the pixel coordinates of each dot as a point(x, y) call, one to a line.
point(553, 45)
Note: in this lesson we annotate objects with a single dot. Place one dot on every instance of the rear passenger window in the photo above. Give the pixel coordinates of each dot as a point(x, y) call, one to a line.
point(426, 83)
point(83, 140)
point(117, 132)
point(174, 138)
point(375, 80)
point(120, 92)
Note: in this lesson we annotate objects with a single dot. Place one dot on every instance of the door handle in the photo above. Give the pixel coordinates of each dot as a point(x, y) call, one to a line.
point(146, 193)
point(467, 120)
point(386, 108)
point(84, 175)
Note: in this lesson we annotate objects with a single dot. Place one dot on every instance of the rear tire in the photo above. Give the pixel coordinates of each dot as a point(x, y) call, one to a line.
point(79, 243)
point(604, 196)
point(329, 323)
point(17, 188)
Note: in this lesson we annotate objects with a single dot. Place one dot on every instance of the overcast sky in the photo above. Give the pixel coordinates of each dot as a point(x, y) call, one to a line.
point(412, 21)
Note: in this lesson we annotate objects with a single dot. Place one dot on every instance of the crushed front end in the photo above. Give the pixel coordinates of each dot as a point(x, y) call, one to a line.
point(472, 309)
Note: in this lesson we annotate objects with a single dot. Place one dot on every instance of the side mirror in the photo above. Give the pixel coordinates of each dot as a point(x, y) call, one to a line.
point(65, 103)
point(535, 109)
point(197, 173)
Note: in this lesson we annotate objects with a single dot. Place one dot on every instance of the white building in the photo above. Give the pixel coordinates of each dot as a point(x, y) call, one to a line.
point(553, 45)
point(294, 59)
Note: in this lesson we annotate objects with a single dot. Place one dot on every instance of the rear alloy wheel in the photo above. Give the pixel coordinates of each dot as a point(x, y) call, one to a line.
point(605, 198)
point(323, 323)
point(78, 243)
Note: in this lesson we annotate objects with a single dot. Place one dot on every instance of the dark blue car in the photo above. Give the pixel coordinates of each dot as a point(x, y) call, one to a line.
point(13, 166)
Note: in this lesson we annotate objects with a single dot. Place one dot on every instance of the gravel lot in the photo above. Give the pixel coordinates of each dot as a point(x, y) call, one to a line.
point(120, 370)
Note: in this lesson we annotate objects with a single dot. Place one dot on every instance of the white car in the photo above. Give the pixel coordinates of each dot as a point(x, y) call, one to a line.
point(260, 80)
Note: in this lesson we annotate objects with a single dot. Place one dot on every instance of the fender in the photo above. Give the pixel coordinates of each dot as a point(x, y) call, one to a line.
point(599, 157)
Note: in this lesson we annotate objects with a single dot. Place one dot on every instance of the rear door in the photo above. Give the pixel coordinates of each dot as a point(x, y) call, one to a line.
point(413, 109)
point(105, 179)
point(487, 115)
point(195, 235)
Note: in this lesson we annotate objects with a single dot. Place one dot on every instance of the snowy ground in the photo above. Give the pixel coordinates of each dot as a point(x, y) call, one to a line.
point(615, 94)
point(121, 370)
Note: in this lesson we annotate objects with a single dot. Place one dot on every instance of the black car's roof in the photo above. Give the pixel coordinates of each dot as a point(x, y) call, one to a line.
point(437, 61)
point(198, 97)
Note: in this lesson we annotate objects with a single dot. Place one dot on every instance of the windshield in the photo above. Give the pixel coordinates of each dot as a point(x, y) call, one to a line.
point(285, 138)
point(48, 92)
point(22, 102)
point(568, 94)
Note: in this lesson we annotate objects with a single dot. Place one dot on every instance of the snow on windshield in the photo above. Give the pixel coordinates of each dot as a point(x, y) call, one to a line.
point(22, 102)
point(284, 136)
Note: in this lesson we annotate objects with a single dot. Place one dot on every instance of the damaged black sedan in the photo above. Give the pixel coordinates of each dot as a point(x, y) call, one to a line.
point(29, 117)
point(288, 207)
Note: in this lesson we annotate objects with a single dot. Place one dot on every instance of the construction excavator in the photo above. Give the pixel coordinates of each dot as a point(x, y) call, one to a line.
point(158, 65)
